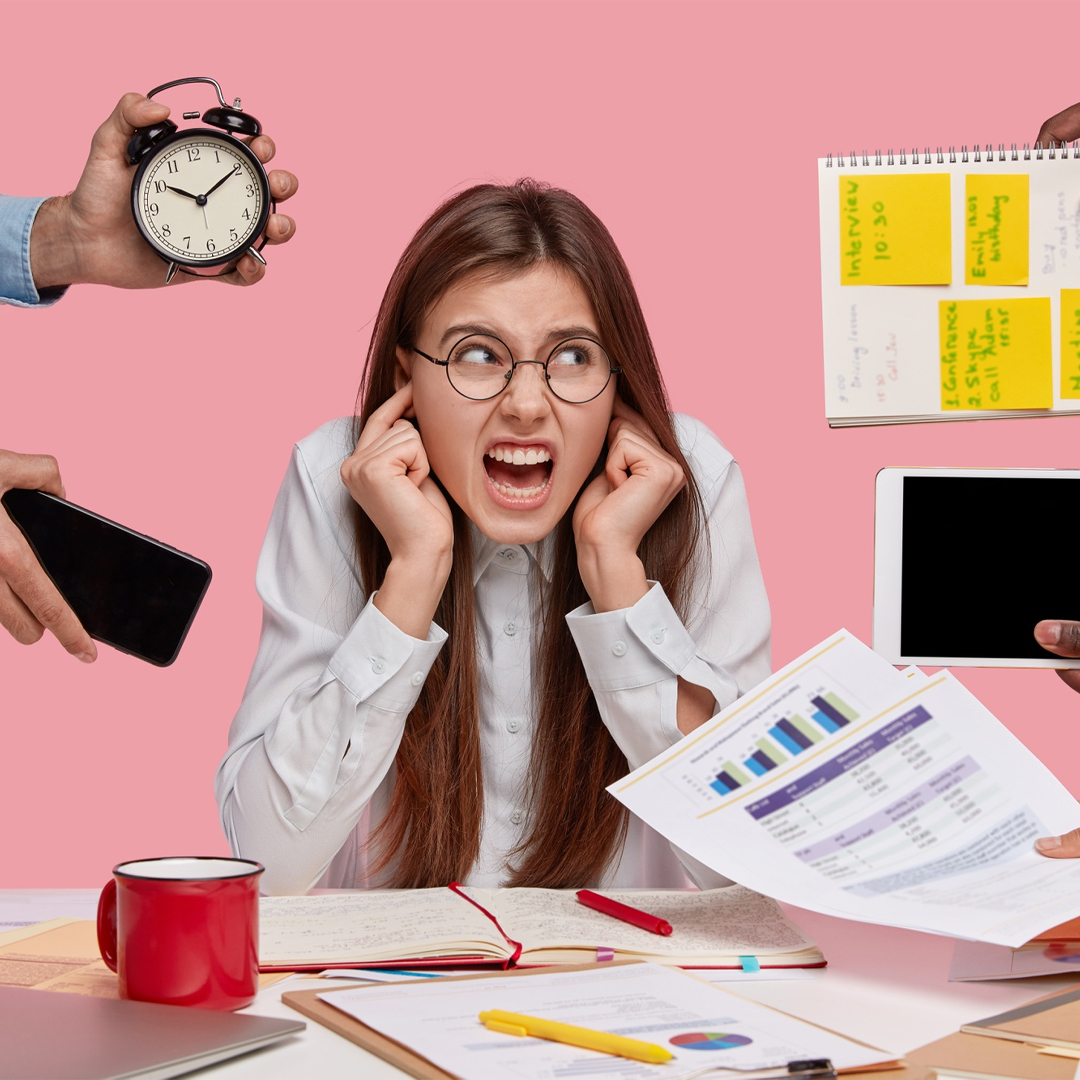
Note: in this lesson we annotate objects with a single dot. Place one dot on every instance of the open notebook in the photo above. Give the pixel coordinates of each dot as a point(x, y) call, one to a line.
point(950, 284)
point(456, 925)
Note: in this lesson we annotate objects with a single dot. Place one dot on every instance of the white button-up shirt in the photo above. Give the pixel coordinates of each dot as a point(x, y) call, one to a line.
point(310, 765)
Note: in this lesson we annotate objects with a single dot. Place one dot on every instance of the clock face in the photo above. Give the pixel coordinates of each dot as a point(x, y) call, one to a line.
point(200, 198)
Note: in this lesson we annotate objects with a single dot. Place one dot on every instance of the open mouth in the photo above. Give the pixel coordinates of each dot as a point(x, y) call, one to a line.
point(519, 472)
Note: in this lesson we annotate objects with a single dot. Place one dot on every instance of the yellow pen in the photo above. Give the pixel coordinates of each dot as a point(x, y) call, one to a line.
point(515, 1024)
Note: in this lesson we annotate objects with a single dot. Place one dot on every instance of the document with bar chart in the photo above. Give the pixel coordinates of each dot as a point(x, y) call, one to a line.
point(847, 787)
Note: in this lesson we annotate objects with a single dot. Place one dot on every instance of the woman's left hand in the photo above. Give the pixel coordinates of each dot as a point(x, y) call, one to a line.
point(619, 507)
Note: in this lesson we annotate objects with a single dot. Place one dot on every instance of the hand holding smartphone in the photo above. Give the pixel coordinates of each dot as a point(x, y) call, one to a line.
point(128, 590)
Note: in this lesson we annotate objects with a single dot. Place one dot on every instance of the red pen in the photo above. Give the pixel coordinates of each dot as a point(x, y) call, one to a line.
point(627, 914)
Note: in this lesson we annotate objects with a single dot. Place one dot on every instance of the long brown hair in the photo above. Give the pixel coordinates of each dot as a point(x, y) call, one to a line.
point(432, 826)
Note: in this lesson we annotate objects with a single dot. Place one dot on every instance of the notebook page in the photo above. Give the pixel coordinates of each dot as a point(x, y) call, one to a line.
point(390, 924)
point(732, 921)
point(1011, 243)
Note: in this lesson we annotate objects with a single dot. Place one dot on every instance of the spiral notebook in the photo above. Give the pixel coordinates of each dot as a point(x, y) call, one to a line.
point(950, 284)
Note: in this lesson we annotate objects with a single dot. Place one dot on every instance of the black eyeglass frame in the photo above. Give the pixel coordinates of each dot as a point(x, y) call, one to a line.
point(613, 369)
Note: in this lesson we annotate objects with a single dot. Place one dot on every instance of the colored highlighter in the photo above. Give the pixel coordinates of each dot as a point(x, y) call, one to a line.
point(624, 912)
point(507, 1023)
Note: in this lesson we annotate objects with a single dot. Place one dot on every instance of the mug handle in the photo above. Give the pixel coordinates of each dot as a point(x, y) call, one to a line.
point(106, 924)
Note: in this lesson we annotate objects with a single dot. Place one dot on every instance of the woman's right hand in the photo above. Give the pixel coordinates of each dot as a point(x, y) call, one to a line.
point(388, 475)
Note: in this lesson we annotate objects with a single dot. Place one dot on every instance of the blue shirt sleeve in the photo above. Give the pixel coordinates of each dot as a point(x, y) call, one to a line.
point(16, 282)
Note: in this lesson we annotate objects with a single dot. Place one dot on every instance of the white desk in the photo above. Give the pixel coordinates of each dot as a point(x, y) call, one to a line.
point(887, 987)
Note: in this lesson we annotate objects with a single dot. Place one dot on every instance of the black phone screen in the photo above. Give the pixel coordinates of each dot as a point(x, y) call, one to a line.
point(984, 560)
point(128, 590)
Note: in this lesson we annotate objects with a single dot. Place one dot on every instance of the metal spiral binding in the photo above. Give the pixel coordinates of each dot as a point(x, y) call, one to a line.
point(988, 154)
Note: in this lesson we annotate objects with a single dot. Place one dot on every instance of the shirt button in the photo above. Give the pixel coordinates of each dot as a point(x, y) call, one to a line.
point(516, 817)
point(377, 665)
point(657, 636)
point(511, 629)
point(417, 679)
point(619, 648)
point(508, 555)
point(513, 725)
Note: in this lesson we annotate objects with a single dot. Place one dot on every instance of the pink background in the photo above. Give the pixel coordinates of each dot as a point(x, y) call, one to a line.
point(692, 129)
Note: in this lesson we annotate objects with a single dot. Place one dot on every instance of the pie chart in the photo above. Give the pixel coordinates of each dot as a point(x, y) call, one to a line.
point(1063, 953)
point(710, 1040)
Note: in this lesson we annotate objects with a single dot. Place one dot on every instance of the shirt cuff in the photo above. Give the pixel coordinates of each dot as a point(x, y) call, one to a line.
point(635, 646)
point(17, 287)
point(380, 664)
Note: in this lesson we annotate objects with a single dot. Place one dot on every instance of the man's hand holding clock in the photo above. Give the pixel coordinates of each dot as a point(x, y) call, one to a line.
point(90, 235)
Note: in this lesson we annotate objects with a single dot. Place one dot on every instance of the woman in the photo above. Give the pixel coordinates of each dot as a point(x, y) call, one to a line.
point(513, 577)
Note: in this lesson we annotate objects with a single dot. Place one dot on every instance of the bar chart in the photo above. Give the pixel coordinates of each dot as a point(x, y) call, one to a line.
point(787, 737)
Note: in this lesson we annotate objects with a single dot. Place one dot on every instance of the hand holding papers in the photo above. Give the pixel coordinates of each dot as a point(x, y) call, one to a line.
point(847, 787)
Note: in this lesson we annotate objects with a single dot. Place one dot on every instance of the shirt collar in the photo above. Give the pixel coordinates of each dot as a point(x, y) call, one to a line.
point(484, 549)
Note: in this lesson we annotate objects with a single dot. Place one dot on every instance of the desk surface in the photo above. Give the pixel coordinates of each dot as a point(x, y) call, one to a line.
point(885, 986)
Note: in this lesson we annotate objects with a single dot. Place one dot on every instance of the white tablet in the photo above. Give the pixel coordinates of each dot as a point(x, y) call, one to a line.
point(967, 561)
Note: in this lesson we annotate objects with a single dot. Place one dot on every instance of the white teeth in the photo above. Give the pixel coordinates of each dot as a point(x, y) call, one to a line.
point(517, 456)
point(520, 493)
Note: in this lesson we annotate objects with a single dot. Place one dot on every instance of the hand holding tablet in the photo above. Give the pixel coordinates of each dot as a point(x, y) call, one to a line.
point(963, 572)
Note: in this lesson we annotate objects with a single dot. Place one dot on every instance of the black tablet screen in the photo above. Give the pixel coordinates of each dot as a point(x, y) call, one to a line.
point(984, 559)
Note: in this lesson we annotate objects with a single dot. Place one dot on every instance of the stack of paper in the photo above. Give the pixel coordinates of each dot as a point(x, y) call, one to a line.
point(847, 787)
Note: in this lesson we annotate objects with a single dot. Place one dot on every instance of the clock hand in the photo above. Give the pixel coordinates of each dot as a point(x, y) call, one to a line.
point(231, 172)
point(181, 191)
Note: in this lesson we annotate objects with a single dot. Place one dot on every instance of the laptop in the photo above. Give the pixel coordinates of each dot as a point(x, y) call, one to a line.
point(54, 1036)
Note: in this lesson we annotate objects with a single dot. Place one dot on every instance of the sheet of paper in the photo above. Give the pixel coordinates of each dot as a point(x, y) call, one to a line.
point(25, 907)
point(995, 229)
point(318, 929)
point(749, 978)
point(913, 806)
point(700, 1025)
point(974, 960)
point(1070, 343)
point(717, 921)
point(62, 956)
point(895, 230)
point(996, 354)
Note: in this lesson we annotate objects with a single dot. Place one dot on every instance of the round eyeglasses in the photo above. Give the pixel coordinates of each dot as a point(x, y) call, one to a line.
point(480, 367)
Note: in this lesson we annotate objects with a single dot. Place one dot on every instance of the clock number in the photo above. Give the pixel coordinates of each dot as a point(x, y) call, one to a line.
point(251, 191)
point(173, 166)
point(160, 186)
point(166, 231)
point(247, 215)
point(192, 153)
point(210, 245)
point(217, 157)
point(187, 242)
point(233, 237)
point(154, 209)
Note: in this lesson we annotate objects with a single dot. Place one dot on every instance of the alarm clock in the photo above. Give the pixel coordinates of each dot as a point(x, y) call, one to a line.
point(200, 197)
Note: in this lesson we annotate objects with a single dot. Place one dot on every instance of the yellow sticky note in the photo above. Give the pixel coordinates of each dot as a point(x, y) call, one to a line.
point(1070, 343)
point(894, 230)
point(996, 229)
point(996, 354)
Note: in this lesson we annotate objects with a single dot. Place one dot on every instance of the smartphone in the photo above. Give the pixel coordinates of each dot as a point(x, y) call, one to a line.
point(129, 591)
point(967, 561)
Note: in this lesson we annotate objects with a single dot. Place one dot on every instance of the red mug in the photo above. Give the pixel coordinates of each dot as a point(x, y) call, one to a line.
point(183, 931)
